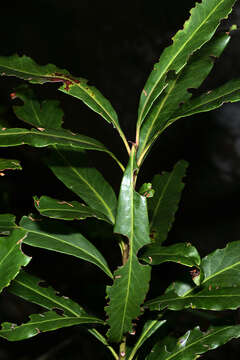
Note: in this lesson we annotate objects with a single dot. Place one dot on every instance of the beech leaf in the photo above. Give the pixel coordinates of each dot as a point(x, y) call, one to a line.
point(131, 281)
point(194, 343)
point(11, 256)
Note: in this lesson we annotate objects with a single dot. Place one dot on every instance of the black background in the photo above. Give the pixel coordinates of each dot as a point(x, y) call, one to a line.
point(114, 45)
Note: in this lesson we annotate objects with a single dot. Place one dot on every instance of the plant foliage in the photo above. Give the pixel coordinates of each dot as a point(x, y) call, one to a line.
point(140, 219)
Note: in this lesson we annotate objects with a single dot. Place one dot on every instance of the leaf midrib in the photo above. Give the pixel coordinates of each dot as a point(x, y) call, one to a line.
point(64, 78)
point(209, 101)
point(12, 248)
point(203, 337)
point(178, 52)
point(69, 244)
point(182, 298)
point(45, 134)
point(130, 258)
point(111, 216)
point(62, 318)
point(47, 297)
point(158, 112)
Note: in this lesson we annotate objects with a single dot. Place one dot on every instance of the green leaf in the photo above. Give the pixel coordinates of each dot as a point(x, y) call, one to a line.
point(221, 268)
point(150, 327)
point(46, 114)
point(229, 92)
point(47, 321)
point(11, 257)
point(29, 288)
point(179, 287)
point(7, 222)
point(56, 236)
point(164, 204)
point(219, 284)
point(207, 299)
point(65, 210)
point(194, 343)
point(197, 30)
point(25, 68)
point(9, 164)
point(182, 253)
point(147, 190)
point(46, 137)
point(177, 91)
point(73, 169)
point(132, 279)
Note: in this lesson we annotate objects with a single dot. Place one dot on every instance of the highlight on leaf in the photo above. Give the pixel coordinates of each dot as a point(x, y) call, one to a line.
point(27, 69)
point(140, 219)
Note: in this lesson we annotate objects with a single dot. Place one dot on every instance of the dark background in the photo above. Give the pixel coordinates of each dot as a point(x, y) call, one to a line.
point(114, 45)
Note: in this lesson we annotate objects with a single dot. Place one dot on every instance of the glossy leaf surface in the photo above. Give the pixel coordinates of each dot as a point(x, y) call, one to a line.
point(197, 30)
point(33, 289)
point(11, 257)
point(219, 284)
point(65, 210)
point(47, 117)
point(182, 253)
point(56, 236)
point(207, 299)
point(43, 137)
point(222, 267)
point(229, 92)
point(150, 327)
point(73, 169)
point(177, 91)
point(47, 321)
point(164, 204)
point(131, 281)
point(195, 342)
point(25, 68)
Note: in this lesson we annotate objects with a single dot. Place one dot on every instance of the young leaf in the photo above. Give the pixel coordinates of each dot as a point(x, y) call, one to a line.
point(29, 288)
point(7, 222)
point(164, 204)
point(207, 299)
point(149, 329)
point(56, 236)
point(47, 321)
point(132, 279)
point(11, 257)
point(65, 210)
point(25, 68)
point(229, 92)
point(194, 343)
point(182, 253)
point(177, 91)
point(9, 164)
point(197, 30)
point(72, 168)
point(47, 114)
